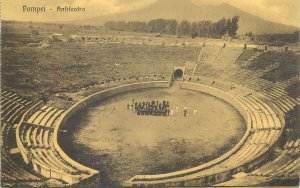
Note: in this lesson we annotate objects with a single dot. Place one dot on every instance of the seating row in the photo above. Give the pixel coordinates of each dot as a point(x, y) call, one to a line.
point(285, 166)
point(263, 117)
point(227, 56)
point(243, 181)
point(286, 163)
point(46, 116)
point(36, 135)
point(13, 172)
point(12, 107)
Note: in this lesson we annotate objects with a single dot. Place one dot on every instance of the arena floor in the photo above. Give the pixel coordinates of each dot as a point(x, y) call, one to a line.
point(121, 144)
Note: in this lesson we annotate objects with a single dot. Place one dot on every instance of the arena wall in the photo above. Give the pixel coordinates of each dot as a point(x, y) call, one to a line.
point(170, 179)
point(99, 96)
point(220, 177)
point(180, 178)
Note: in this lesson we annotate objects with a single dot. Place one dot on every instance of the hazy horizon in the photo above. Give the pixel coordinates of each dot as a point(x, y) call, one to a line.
point(271, 10)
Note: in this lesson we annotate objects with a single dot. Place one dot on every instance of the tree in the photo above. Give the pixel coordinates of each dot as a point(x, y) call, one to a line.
point(220, 27)
point(170, 26)
point(184, 28)
point(194, 30)
point(233, 26)
point(203, 28)
point(156, 26)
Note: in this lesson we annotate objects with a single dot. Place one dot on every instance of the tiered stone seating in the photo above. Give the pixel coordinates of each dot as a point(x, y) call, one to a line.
point(237, 70)
point(208, 70)
point(37, 136)
point(227, 56)
point(207, 57)
point(13, 172)
point(285, 164)
point(273, 94)
point(247, 180)
point(215, 57)
point(190, 68)
point(209, 54)
point(12, 107)
point(247, 55)
point(264, 116)
point(258, 144)
point(36, 139)
point(288, 82)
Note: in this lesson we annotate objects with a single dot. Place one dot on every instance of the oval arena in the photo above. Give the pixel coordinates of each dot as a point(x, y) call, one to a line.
point(131, 141)
point(242, 133)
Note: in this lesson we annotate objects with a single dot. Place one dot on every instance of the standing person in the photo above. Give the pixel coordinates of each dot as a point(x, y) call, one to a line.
point(195, 111)
point(127, 106)
point(184, 111)
point(167, 105)
point(171, 112)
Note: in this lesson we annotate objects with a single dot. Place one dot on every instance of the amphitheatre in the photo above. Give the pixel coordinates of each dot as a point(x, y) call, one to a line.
point(65, 120)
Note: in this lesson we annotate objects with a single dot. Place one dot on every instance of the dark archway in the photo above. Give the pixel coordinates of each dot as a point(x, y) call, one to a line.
point(178, 74)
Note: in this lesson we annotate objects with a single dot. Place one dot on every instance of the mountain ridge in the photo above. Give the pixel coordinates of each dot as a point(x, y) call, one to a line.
point(187, 10)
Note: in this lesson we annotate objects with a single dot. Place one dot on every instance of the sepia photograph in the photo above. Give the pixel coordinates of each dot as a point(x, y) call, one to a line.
point(150, 93)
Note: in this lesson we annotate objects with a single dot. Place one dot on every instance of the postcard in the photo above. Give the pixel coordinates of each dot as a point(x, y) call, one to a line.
point(150, 93)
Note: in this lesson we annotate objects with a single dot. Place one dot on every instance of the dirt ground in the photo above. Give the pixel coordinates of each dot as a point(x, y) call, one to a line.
point(122, 144)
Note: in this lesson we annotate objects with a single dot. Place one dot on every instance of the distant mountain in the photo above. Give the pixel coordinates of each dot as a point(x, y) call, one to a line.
point(186, 10)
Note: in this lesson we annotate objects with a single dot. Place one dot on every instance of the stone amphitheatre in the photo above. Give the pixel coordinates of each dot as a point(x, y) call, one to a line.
point(244, 134)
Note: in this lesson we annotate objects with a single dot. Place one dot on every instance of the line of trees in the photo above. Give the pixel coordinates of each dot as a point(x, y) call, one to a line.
point(279, 39)
point(203, 28)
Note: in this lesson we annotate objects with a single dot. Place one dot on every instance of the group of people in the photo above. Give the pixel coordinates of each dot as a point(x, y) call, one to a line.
point(153, 108)
point(156, 108)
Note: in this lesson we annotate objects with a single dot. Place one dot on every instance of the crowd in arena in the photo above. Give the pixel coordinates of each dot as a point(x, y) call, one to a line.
point(156, 108)
point(152, 108)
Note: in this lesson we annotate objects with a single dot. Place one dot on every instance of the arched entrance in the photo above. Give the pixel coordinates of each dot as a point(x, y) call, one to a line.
point(178, 74)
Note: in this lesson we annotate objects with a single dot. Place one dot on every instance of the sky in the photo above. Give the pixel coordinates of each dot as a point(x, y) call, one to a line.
point(281, 11)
